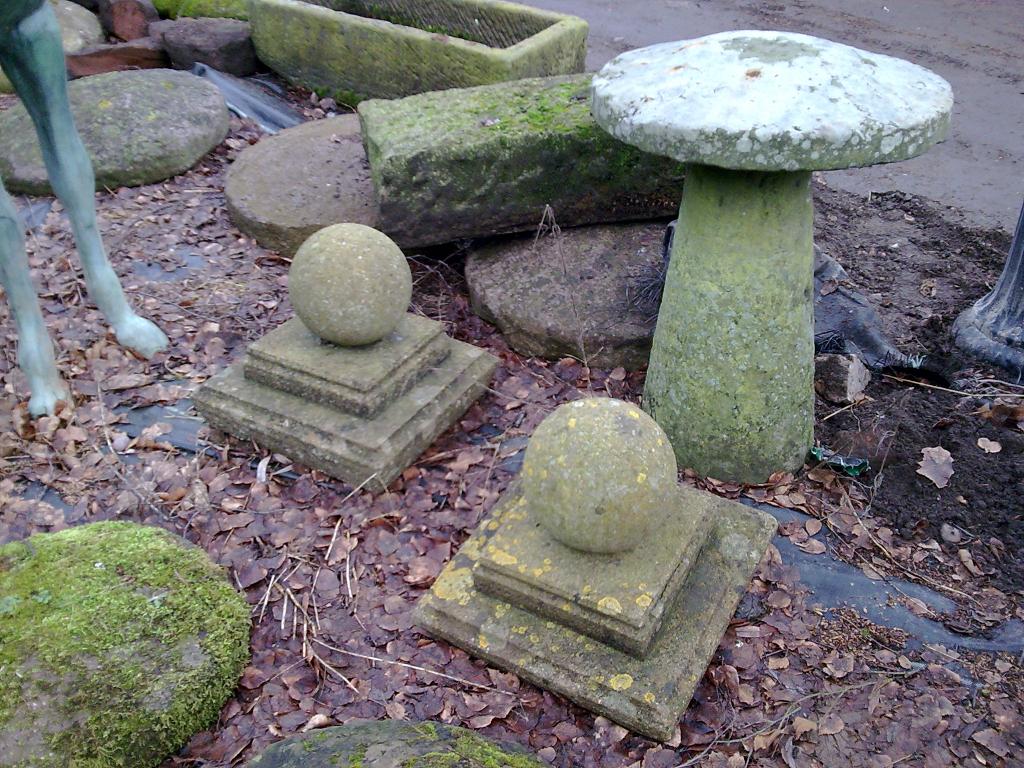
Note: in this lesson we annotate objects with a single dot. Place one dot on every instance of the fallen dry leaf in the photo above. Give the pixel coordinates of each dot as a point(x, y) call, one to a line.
point(993, 741)
point(831, 725)
point(937, 465)
point(801, 726)
point(989, 446)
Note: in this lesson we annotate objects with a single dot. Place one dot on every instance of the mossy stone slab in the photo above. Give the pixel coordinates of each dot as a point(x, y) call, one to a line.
point(572, 293)
point(389, 744)
point(619, 599)
point(233, 9)
point(393, 48)
point(370, 452)
point(139, 127)
point(483, 161)
point(359, 380)
point(286, 187)
point(118, 642)
point(646, 695)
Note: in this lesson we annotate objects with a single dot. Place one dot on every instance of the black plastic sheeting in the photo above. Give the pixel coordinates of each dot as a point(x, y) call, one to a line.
point(252, 99)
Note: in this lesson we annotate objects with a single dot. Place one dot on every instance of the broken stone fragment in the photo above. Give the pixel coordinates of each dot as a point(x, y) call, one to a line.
point(145, 53)
point(127, 19)
point(840, 379)
point(224, 44)
point(752, 114)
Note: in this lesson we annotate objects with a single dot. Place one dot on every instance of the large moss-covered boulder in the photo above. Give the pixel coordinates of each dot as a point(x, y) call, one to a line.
point(118, 642)
point(139, 127)
point(232, 9)
point(389, 743)
point(79, 28)
point(488, 160)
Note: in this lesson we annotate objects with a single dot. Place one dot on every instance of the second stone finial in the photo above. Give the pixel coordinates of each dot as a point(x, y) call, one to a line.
point(597, 473)
point(350, 284)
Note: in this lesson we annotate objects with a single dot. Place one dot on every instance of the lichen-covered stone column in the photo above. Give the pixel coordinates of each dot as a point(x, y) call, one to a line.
point(731, 373)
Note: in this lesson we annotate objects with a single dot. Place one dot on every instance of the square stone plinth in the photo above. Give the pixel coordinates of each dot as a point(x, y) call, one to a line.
point(646, 695)
point(619, 599)
point(361, 451)
point(359, 380)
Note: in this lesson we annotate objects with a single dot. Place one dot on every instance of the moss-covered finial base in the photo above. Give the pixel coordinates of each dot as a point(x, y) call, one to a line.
point(732, 366)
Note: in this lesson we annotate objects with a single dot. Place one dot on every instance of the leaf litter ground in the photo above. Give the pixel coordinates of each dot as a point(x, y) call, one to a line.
point(332, 574)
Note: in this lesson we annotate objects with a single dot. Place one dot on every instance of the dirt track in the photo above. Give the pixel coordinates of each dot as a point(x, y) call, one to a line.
point(978, 45)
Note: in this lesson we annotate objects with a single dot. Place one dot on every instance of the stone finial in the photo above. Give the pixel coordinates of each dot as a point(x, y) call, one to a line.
point(597, 474)
point(350, 284)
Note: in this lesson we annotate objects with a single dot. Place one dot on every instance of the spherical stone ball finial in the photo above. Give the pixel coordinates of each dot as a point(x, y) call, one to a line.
point(598, 474)
point(350, 284)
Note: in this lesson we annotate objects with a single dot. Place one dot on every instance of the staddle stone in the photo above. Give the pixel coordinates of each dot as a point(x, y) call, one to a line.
point(350, 284)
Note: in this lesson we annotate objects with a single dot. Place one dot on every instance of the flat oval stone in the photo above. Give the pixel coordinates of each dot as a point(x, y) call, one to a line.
point(771, 101)
point(578, 293)
point(118, 642)
point(391, 743)
point(139, 127)
point(286, 187)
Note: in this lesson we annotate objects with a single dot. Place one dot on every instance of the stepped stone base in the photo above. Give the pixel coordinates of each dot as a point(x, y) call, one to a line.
point(361, 450)
point(646, 695)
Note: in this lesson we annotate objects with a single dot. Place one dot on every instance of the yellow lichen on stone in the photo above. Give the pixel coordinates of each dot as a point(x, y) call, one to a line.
point(501, 557)
point(633, 414)
point(641, 477)
point(649, 698)
point(454, 585)
point(501, 609)
point(621, 682)
point(481, 641)
point(609, 605)
point(572, 423)
point(644, 601)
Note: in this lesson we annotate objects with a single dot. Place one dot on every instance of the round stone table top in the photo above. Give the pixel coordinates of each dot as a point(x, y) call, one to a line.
point(771, 101)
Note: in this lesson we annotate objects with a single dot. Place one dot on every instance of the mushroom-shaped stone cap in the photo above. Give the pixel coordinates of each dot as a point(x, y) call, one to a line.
point(771, 101)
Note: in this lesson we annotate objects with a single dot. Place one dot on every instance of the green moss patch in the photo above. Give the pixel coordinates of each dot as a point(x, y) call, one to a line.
point(482, 161)
point(390, 743)
point(118, 642)
point(232, 9)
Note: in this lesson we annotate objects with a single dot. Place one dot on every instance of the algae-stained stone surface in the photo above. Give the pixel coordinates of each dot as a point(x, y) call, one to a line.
point(79, 28)
point(359, 380)
point(358, 450)
point(574, 293)
point(772, 101)
point(234, 9)
point(389, 744)
point(484, 161)
point(138, 127)
point(286, 187)
point(118, 642)
point(393, 48)
point(620, 598)
point(646, 695)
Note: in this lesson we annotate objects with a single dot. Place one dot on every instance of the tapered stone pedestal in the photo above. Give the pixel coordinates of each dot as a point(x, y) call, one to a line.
point(361, 414)
point(597, 576)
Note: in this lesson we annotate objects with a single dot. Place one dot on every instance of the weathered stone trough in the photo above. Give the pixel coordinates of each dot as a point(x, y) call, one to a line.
point(356, 49)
